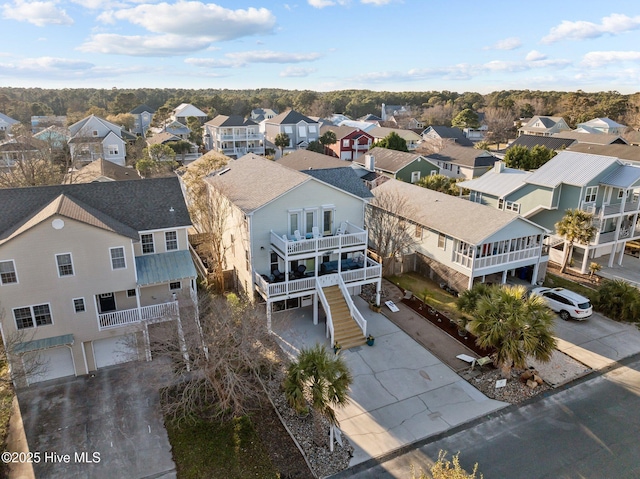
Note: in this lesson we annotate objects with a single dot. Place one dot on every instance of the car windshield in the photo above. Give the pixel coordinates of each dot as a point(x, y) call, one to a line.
point(586, 305)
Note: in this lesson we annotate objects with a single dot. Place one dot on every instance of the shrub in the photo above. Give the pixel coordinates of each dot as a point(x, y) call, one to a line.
point(618, 300)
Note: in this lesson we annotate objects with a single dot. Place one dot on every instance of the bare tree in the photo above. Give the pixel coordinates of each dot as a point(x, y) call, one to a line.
point(229, 349)
point(390, 232)
point(499, 123)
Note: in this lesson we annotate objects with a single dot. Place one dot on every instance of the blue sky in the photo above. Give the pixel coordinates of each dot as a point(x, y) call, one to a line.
point(397, 45)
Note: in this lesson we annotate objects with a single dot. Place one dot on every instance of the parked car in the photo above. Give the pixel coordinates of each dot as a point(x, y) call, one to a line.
point(565, 302)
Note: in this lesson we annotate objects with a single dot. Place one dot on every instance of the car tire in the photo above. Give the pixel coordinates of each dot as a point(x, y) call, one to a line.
point(565, 315)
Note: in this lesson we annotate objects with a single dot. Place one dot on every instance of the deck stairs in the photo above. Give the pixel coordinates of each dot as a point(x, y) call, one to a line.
point(347, 333)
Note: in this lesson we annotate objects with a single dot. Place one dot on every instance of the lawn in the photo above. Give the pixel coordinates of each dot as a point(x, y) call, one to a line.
point(230, 449)
point(429, 291)
point(553, 281)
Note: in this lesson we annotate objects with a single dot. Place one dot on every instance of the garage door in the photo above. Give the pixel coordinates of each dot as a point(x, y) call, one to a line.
point(49, 364)
point(108, 352)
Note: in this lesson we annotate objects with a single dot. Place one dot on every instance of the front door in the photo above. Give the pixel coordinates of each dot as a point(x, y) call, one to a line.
point(107, 302)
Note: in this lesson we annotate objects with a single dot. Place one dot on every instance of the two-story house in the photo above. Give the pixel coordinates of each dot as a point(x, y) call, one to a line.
point(94, 137)
point(185, 110)
point(409, 167)
point(544, 126)
point(441, 136)
point(602, 185)
point(86, 270)
point(300, 129)
point(602, 125)
point(462, 161)
point(460, 243)
point(351, 142)
point(142, 118)
point(411, 137)
point(233, 136)
point(297, 240)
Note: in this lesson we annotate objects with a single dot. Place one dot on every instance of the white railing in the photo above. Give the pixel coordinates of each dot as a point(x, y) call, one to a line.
point(284, 287)
point(505, 258)
point(114, 319)
point(355, 312)
point(325, 305)
point(353, 237)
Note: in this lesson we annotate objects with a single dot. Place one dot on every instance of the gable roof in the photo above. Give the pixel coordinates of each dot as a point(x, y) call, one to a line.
point(453, 133)
point(595, 138)
point(138, 205)
point(8, 119)
point(102, 168)
point(141, 109)
point(289, 117)
point(473, 222)
point(387, 160)
point(464, 155)
point(381, 132)
point(77, 127)
point(340, 131)
point(498, 182)
point(162, 137)
point(552, 142)
point(602, 123)
point(547, 122)
point(302, 160)
point(571, 168)
point(625, 176)
point(177, 128)
point(232, 120)
point(622, 152)
point(344, 178)
point(186, 109)
point(252, 181)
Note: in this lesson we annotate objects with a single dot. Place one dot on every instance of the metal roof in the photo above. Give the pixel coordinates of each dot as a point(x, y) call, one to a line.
point(625, 176)
point(46, 343)
point(498, 184)
point(571, 168)
point(164, 267)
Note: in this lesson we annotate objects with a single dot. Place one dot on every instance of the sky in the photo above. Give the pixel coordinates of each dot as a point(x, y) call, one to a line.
point(322, 45)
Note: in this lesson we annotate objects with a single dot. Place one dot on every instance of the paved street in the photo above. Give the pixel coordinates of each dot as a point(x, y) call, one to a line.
point(587, 431)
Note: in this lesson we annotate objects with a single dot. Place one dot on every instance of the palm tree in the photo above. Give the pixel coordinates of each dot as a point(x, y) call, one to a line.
point(325, 378)
point(575, 225)
point(281, 140)
point(516, 325)
point(619, 300)
point(327, 138)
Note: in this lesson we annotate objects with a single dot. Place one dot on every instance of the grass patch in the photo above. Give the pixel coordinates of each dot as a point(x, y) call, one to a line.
point(553, 281)
point(428, 291)
point(6, 400)
point(232, 449)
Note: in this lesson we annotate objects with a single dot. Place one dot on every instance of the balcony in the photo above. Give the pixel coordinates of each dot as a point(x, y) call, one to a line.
point(496, 259)
point(609, 237)
point(353, 237)
point(611, 210)
point(369, 272)
point(114, 319)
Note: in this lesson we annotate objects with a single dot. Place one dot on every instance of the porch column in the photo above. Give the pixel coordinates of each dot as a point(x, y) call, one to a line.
point(138, 302)
point(183, 344)
point(378, 288)
point(269, 308)
point(504, 276)
point(621, 254)
point(147, 342)
point(585, 260)
point(534, 276)
point(470, 283)
point(315, 309)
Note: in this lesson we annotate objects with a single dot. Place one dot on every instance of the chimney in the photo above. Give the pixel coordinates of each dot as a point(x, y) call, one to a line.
point(499, 166)
point(369, 162)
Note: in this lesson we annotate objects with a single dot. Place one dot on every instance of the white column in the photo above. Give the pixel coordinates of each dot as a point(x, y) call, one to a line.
point(269, 308)
point(504, 276)
point(585, 260)
point(147, 342)
point(315, 309)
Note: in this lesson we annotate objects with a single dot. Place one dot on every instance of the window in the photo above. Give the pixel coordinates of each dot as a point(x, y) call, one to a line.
point(620, 194)
point(345, 143)
point(94, 132)
point(415, 176)
point(65, 265)
point(117, 258)
point(78, 305)
point(591, 193)
point(113, 149)
point(171, 240)
point(302, 131)
point(511, 206)
point(327, 222)
point(312, 128)
point(175, 285)
point(147, 243)
point(273, 261)
point(434, 172)
point(288, 129)
point(501, 204)
point(131, 293)
point(294, 221)
point(8, 272)
point(29, 316)
point(418, 232)
point(310, 220)
point(442, 240)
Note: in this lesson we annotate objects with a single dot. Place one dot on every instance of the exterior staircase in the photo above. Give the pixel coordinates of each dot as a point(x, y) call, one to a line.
point(347, 333)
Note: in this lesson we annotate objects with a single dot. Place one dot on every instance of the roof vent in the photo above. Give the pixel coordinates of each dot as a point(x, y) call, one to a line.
point(224, 171)
point(171, 210)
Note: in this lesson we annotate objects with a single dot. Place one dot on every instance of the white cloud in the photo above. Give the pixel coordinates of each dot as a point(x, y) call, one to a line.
point(534, 56)
point(321, 3)
point(197, 19)
point(579, 30)
point(510, 43)
point(159, 45)
point(376, 2)
point(37, 13)
point(297, 72)
point(47, 65)
point(598, 59)
point(240, 59)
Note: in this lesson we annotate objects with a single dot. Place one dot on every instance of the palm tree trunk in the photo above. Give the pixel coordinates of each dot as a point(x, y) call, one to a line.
point(319, 436)
point(568, 248)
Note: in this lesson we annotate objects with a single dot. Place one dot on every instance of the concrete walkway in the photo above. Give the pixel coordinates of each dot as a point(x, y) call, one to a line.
point(401, 393)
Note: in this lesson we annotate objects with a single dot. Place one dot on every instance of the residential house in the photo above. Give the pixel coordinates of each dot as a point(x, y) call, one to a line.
point(362, 125)
point(442, 135)
point(459, 243)
point(477, 134)
point(233, 136)
point(632, 137)
point(177, 129)
point(351, 142)
point(555, 143)
point(411, 137)
point(602, 125)
point(39, 123)
point(142, 118)
point(6, 123)
point(86, 270)
point(93, 137)
point(544, 126)
point(300, 129)
point(101, 170)
point(626, 153)
point(15, 150)
point(56, 137)
point(462, 161)
point(260, 114)
point(409, 167)
point(388, 111)
point(592, 138)
point(302, 160)
point(183, 157)
point(297, 240)
point(602, 185)
point(185, 110)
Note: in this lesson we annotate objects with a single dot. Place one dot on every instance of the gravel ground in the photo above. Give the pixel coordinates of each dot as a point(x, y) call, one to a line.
point(515, 391)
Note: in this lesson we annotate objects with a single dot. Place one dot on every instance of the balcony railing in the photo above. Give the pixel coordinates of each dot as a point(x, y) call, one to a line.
point(611, 210)
point(496, 259)
point(353, 236)
point(114, 319)
point(370, 272)
point(625, 233)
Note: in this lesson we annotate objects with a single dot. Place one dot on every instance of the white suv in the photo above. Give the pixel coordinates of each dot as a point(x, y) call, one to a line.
point(566, 303)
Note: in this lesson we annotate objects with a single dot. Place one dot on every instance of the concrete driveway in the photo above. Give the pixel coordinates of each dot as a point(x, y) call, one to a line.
point(112, 417)
point(597, 342)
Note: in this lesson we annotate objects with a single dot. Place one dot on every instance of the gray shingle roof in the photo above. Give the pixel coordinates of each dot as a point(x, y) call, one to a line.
point(141, 109)
point(138, 205)
point(551, 142)
point(571, 168)
point(389, 160)
point(595, 138)
point(289, 117)
point(305, 159)
point(382, 132)
point(232, 120)
point(623, 152)
point(453, 133)
point(464, 155)
point(345, 179)
point(451, 215)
